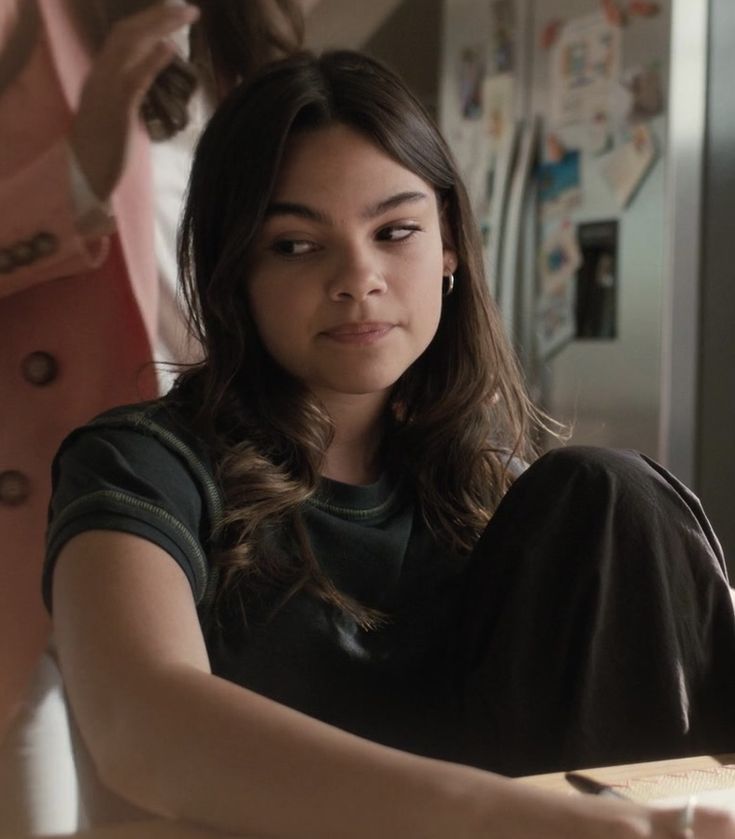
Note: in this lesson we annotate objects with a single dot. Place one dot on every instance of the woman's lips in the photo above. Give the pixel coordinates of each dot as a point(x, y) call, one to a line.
point(358, 333)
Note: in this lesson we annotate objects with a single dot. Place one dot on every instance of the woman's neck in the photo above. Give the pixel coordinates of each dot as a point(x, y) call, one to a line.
point(353, 457)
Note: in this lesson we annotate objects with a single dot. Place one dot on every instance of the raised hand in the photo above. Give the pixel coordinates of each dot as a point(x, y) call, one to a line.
point(136, 50)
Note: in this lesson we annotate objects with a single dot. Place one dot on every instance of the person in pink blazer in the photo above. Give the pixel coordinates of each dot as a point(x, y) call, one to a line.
point(77, 313)
point(78, 282)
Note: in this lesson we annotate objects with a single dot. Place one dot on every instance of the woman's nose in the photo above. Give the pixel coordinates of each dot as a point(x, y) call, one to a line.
point(356, 277)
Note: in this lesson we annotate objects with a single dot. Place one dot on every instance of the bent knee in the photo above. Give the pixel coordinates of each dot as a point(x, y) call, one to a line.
point(621, 474)
point(594, 460)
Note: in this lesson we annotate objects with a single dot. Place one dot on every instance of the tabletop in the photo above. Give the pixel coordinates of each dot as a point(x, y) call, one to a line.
point(652, 780)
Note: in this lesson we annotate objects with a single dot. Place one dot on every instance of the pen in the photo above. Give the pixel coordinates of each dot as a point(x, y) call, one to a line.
point(588, 785)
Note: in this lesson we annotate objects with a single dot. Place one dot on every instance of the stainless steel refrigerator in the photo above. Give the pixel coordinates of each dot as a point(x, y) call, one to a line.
point(585, 133)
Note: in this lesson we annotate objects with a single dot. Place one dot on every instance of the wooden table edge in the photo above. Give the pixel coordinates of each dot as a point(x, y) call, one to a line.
point(554, 781)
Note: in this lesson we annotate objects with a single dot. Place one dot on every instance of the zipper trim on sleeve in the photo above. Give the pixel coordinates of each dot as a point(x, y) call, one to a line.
point(117, 501)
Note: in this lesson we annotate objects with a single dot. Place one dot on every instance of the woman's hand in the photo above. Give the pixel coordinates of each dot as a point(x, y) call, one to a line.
point(634, 821)
point(134, 53)
point(516, 810)
point(706, 824)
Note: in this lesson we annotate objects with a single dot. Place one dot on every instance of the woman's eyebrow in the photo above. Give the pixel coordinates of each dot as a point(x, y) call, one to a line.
point(393, 202)
point(293, 208)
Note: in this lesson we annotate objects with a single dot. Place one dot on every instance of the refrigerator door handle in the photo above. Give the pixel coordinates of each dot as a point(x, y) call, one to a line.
point(499, 209)
point(512, 246)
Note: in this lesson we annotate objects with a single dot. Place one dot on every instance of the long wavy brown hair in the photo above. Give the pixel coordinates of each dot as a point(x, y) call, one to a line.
point(456, 415)
point(232, 39)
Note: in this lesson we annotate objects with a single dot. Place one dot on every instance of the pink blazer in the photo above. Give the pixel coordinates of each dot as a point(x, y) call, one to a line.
point(77, 317)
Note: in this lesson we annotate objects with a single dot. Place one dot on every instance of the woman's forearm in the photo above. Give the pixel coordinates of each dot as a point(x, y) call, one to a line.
point(202, 749)
point(197, 747)
point(178, 741)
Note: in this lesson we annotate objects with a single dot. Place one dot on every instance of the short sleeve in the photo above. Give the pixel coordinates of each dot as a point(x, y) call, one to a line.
point(128, 481)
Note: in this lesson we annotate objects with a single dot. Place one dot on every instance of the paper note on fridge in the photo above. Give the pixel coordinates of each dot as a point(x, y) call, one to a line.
point(625, 168)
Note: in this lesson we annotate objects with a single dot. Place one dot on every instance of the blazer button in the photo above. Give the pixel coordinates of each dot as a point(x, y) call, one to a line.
point(40, 368)
point(44, 244)
point(22, 254)
point(14, 487)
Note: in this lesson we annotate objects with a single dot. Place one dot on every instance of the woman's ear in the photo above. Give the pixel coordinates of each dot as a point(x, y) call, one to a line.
point(448, 246)
point(450, 260)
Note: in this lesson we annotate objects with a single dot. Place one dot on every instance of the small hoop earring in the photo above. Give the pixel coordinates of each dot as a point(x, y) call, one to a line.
point(449, 286)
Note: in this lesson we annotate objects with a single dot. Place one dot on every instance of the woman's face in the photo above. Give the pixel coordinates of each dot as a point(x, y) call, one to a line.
point(346, 282)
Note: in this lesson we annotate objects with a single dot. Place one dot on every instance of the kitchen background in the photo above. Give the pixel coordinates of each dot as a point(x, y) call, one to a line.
point(597, 138)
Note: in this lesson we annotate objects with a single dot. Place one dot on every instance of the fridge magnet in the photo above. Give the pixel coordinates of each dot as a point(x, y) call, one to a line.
point(555, 150)
point(597, 281)
point(643, 8)
point(614, 12)
point(626, 167)
point(550, 34)
point(471, 74)
point(585, 63)
point(647, 97)
point(559, 184)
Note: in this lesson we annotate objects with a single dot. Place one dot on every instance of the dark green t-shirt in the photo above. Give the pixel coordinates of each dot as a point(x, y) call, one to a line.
point(149, 477)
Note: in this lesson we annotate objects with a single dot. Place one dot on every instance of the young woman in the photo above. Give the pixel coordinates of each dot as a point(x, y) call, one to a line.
point(313, 592)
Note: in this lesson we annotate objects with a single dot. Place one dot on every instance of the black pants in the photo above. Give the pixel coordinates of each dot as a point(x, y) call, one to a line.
point(596, 624)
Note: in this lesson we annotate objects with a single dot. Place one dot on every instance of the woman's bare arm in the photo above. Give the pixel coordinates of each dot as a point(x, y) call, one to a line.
point(180, 742)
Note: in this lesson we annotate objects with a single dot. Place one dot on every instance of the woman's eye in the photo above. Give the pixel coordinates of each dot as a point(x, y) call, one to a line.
point(398, 232)
point(293, 247)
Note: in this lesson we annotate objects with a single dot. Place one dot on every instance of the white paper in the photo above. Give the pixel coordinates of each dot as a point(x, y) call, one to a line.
point(585, 63)
point(625, 167)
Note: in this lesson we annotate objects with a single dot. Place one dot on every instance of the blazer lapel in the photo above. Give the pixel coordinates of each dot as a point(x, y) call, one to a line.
point(70, 55)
